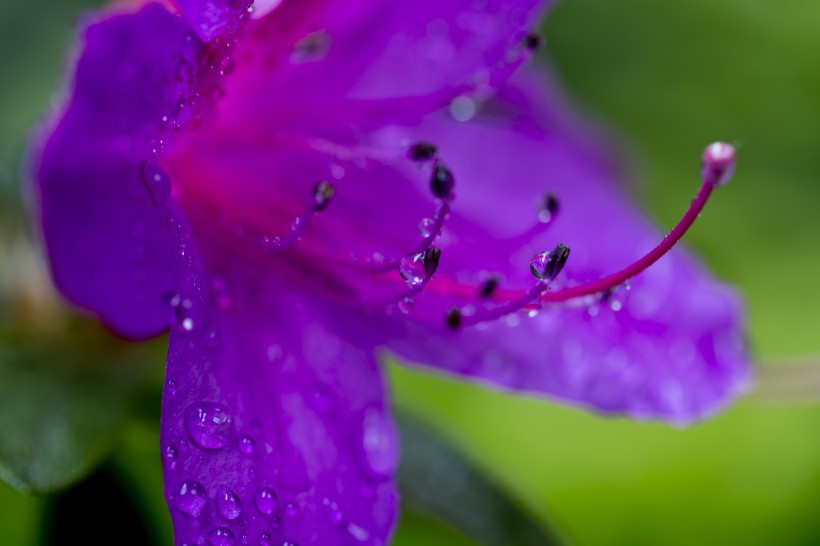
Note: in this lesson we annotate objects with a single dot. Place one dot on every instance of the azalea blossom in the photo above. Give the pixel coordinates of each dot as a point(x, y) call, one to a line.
point(297, 189)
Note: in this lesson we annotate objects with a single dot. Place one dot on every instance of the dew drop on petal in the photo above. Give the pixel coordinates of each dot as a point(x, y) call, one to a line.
point(380, 444)
point(156, 181)
point(291, 510)
point(229, 504)
point(334, 514)
point(221, 536)
point(265, 500)
point(208, 425)
point(426, 227)
point(411, 268)
point(358, 533)
point(265, 539)
point(247, 445)
point(405, 306)
point(463, 108)
point(191, 499)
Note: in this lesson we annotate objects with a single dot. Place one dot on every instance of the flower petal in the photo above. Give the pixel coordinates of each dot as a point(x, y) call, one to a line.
point(140, 78)
point(275, 427)
point(672, 347)
point(108, 247)
point(210, 18)
point(315, 58)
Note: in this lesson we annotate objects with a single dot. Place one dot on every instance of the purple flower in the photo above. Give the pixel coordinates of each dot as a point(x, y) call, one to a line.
point(292, 191)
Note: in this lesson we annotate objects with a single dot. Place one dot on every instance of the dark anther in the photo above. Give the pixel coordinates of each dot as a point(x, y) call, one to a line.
point(431, 259)
point(422, 151)
point(558, 259)
point(442, 182)
point(533, 41)
point(453, 318)
point(488, 288)
point(547, 265)
point(323, 192)
point(549, 208)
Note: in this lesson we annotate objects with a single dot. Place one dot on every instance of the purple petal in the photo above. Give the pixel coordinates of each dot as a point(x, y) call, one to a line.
point(671, 347)
point(315, 60)
point(275, 423)
point(108, 246)
point(210, 18)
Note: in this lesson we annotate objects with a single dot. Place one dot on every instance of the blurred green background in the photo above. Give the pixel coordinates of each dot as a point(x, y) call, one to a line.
point(669, 77)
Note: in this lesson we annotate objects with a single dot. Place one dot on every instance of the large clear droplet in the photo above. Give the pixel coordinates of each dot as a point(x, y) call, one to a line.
point(380, 444)
point(229, 504)
point(413, 268)
point(208, 425)
point(265, 500)
point(191, 499)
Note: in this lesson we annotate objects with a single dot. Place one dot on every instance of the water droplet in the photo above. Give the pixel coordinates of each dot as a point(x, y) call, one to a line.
point(463, 108)
point(290, 543)
point(333, 513)
point(442, 182)
point(322, 194)
point(296, 223)
point(413, 268)
point(265, 539)
point(380, 444)
point(291, 510)
point(337, 172)
point(532, 313)
point(265, 500)
point(208, 425)
point(247, 445)
point(274, 352)
point(187, 324)
point(171, 453)
point(229, 504)
point(426, 227)
point(405, 306)
point(212, 339)
point(271, 243)
point(358, 533)
point(172, 387)
point(156, 181)
point(221, 536)
point(547, 265)
point(191, 499)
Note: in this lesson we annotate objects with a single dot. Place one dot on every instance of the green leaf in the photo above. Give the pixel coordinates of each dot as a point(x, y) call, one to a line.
point(436, 479)
point(57, 420)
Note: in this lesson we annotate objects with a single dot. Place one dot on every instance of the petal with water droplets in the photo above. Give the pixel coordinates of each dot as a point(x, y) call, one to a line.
point(291, 444)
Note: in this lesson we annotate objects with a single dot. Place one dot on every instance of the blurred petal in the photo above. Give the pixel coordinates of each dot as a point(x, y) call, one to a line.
point(275, 423)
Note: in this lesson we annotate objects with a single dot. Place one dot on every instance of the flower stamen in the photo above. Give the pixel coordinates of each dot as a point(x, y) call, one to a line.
point(718, 163)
